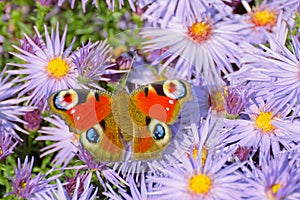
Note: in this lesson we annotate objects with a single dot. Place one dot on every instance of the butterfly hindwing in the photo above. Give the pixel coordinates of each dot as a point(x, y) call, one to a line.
point(104, 141)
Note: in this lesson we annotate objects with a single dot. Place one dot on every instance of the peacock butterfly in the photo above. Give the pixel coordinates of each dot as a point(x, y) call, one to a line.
point(111, 124)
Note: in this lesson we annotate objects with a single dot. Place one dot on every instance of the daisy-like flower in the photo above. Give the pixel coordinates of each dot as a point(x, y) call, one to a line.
point(265, 19)
point(6, 145)
point(136, 190)
point(24, 186)
point(205, 46)
point(10, 111)
point(46, 69)
point(263, 130)
point(274, 179)
point(273, 73)
point(195, 179)
point(164, 10)
point(65, 142)
point(77, 188)
point(93, 63)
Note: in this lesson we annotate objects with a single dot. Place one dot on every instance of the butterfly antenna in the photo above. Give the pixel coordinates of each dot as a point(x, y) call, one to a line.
point(133, 54)
point(122, 83)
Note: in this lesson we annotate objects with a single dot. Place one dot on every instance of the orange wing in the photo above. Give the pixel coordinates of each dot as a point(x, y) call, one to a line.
point(81, 109)
point(152, 109)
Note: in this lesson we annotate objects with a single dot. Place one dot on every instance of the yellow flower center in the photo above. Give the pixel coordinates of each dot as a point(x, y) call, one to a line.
point(263, 122)
point(200, 31)
point(58, 68)
point(1, 151)
point(200, 184)
point(265, 18)
point(273, 190)
point(23, 185)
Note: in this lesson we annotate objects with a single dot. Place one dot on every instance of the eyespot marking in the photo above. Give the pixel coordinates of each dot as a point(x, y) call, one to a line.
point(174, 89)
point(97, 97)
point(92, 136)
point(65, 100)
point(146, 91)
point(159, 132)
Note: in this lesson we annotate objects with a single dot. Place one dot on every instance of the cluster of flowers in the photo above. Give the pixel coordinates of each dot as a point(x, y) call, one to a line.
point(242, 143)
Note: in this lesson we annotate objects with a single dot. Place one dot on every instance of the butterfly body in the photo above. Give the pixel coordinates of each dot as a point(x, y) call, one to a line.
point(110, 125)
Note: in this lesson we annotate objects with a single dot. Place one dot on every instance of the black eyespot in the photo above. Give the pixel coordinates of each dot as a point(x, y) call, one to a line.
point(159, 89)
point(92, 136)
point(146, 90)
point(57, 103)
point(148, 120)
point(159, 132)
point(97, 96)
point(102, 123)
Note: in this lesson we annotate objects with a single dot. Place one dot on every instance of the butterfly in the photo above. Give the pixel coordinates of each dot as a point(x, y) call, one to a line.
point(112, 124)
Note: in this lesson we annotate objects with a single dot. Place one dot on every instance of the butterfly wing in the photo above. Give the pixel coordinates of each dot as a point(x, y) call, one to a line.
point(104, 141)
point(152, 109)
point(81, 109)
point(89, 113)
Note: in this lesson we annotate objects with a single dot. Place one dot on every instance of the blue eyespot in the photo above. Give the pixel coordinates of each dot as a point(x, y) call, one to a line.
point(92, 136)
point(159, 132)
point(57, 102)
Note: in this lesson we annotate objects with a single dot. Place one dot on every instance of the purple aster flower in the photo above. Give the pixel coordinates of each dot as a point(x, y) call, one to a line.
point(33, 119)
point(24, 186)
point(196, 178)
point(277, 178)
point(77, 188)
point(205, 46)
point(165, 10)
point(46, 69)
point(136, 190)
point(236, 100)
point(267, 18)
point(6, 145)
point(263, 130)
point(93, 65)
point(103, 171)
point(273, 74)
point(65, 142)
point(9, 107)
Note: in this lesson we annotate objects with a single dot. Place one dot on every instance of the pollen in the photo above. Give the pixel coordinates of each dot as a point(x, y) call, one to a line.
point(264, 17)
point(58, 68)
point(200, 31)
point(200, 184)
point(263, 122)
point(273, 190)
